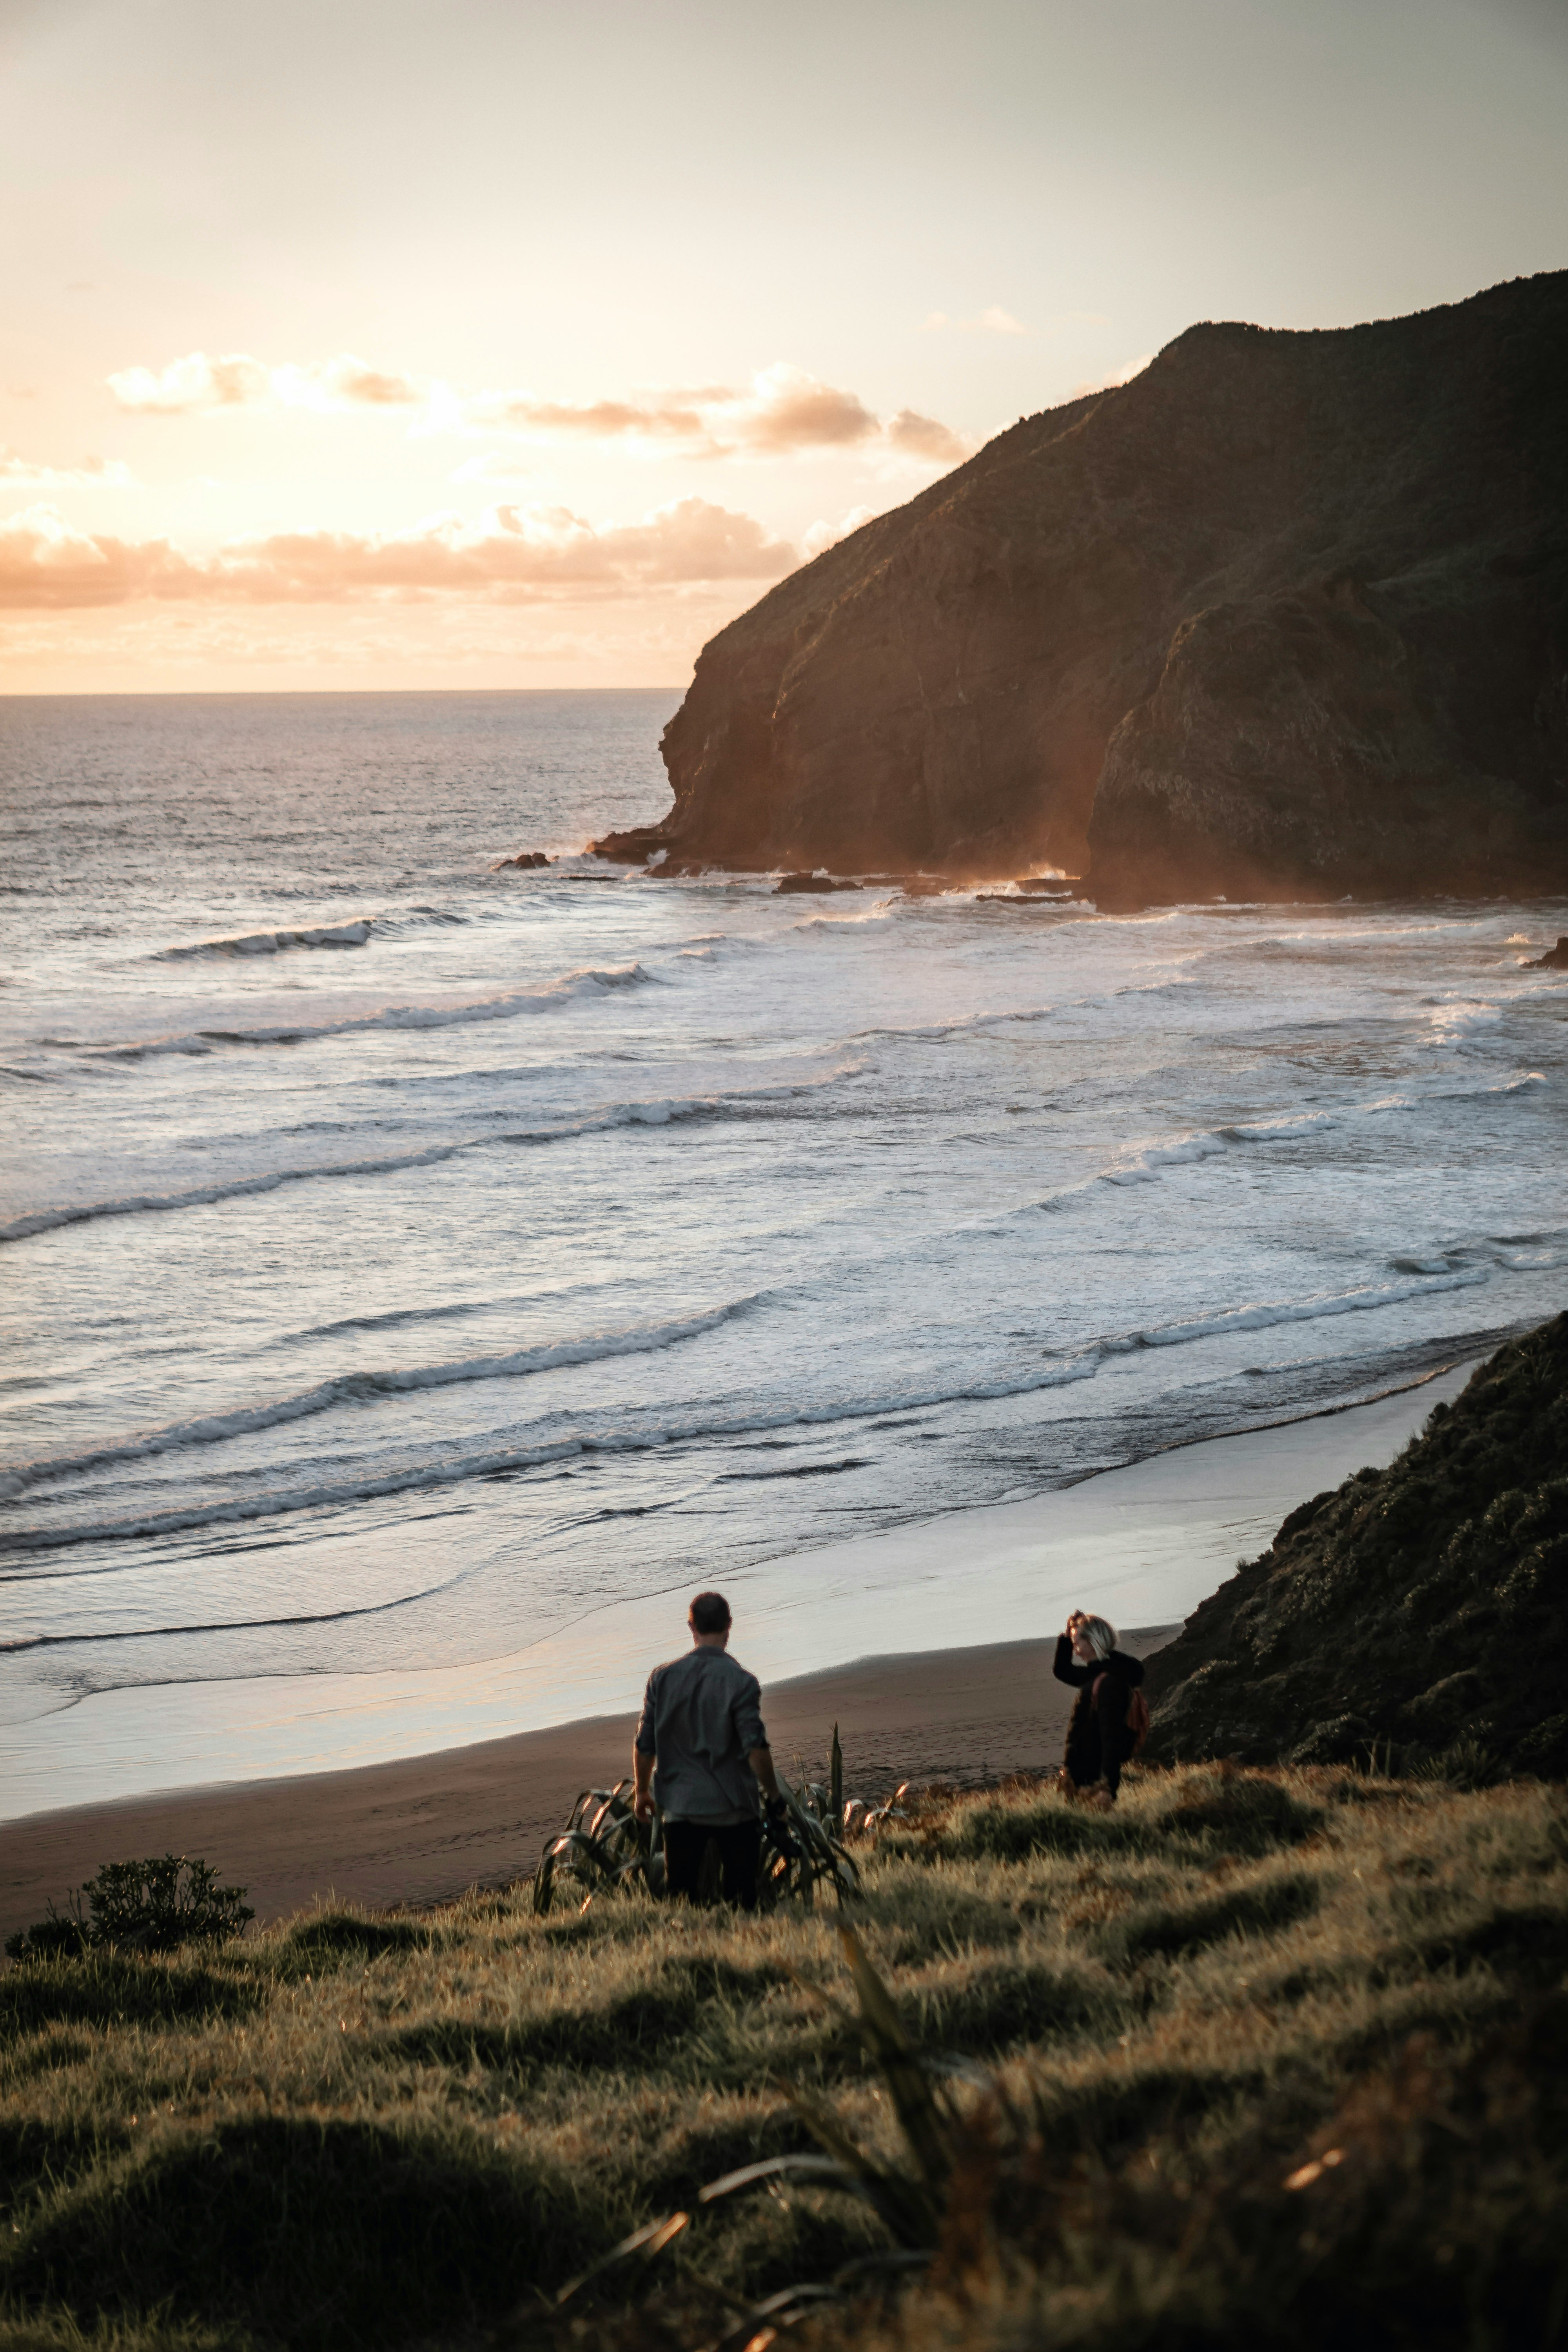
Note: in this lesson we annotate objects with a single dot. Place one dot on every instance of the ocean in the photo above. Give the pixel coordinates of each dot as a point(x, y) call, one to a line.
point(409, 1264)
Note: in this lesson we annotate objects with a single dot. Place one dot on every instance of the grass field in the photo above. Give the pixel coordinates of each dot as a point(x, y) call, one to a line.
point(1259, 2057)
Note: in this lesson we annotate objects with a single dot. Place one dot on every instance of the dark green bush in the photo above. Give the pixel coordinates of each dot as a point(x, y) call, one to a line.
point(153, 1906)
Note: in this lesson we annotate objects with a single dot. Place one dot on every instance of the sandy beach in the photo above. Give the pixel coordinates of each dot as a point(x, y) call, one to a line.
point(417, 1831)
point(1146, 1544)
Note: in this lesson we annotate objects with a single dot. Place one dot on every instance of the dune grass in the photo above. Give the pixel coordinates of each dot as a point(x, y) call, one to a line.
point(353, 2130)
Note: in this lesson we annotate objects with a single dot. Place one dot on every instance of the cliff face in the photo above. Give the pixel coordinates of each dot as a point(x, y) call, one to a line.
point(1289, 612)
point(1425, 1605)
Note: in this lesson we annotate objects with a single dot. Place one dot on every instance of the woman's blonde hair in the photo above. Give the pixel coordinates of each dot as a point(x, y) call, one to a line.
point(1100, 1633)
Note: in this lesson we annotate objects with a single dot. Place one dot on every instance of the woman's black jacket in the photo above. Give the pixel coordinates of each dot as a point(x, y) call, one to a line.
point(1097, 1735)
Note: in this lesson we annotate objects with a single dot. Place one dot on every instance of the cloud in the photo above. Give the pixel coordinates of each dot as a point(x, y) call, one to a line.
point(495, 469)
point(92, 474)
point(511, 555)
point(671, 419)
point(921, 436)
point(782, 410)
point(824, 535)
point(1112, 382)
point(992, 321)
point(787, 409)
point(198, 384)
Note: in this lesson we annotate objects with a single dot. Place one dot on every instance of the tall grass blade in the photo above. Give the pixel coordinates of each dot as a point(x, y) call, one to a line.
point(648, 2242)
point(910, 2086)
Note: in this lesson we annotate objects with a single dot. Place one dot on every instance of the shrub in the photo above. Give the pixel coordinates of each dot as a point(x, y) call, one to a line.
point(143, 1906)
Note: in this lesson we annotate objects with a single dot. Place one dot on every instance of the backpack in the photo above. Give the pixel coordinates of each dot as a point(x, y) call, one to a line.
point(1137, 1719)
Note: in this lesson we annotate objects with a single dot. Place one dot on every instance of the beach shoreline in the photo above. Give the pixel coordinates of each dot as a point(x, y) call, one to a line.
point(425, 1829)
point(421, 1828)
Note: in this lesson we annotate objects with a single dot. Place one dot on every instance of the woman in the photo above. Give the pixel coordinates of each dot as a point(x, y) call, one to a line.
point(1105, 1677)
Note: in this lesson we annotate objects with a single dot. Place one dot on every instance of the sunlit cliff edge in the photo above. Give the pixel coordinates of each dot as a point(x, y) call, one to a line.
point(1287, 614)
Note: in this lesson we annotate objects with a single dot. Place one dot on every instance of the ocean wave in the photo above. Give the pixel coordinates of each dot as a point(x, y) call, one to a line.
point(259, 943)
point(1522, 1082)
point(358, 1388)
point(497, 1461)
point(657, 1111)
point(878, 913)
point(225, 1625)
point(1542, 1260)
point(938, 1032)
point(1452, 1020)
point(1045, 1372)
point(1266, 1315)
point(1145, 1165)
point(594, 980)
point(356, 932)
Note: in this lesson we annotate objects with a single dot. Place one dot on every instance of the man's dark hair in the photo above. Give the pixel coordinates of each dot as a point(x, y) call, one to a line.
point(710, 1613)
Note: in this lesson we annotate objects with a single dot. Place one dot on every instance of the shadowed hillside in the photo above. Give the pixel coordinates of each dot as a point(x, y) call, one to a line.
point(1425, 1605)
point(1287, 613)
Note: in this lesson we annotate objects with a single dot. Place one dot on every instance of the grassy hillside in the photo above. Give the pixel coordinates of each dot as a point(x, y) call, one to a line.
point(1424, 1605)
point(1259, 2056)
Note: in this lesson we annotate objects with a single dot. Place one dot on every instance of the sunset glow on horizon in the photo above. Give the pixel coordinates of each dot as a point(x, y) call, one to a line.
point(503, 346)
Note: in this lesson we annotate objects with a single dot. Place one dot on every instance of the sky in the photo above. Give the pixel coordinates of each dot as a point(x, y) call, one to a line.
point(458, 343)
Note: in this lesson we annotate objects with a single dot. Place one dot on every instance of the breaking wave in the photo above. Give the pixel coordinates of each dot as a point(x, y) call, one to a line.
point(392, 1016)
point(450, 1468)
point(359, 1388)
point(1145, 1165)
point(659, 1112)
point(264, 943)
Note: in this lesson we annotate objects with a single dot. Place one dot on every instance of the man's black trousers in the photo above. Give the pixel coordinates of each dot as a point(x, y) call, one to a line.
point(739, 1845)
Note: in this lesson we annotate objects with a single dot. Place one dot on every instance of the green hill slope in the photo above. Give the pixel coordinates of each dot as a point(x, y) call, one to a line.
point(1256, 2058)
point(1425, 1605)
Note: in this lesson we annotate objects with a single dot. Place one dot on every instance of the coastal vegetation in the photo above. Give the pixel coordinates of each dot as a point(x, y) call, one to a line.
point(1422, 1609)
point(1262, 2053)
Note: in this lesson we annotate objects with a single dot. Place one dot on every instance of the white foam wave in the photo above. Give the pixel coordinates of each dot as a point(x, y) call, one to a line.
point(1266, 1315)
point(262, 943)
point(356, 1388)
point(454, 1468)
point(878, 913)
point(1081, 1363)
point(1452, 1020)
point(1532, 1261)
point(659, 1112)
point(1144, 1166)
point(590, 981)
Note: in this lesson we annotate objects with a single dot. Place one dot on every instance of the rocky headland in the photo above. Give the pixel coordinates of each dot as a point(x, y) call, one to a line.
point(1419, 1610)
point(1285, 614)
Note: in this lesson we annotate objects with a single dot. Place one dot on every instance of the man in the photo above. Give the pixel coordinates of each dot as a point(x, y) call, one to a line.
point(701, 1726)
